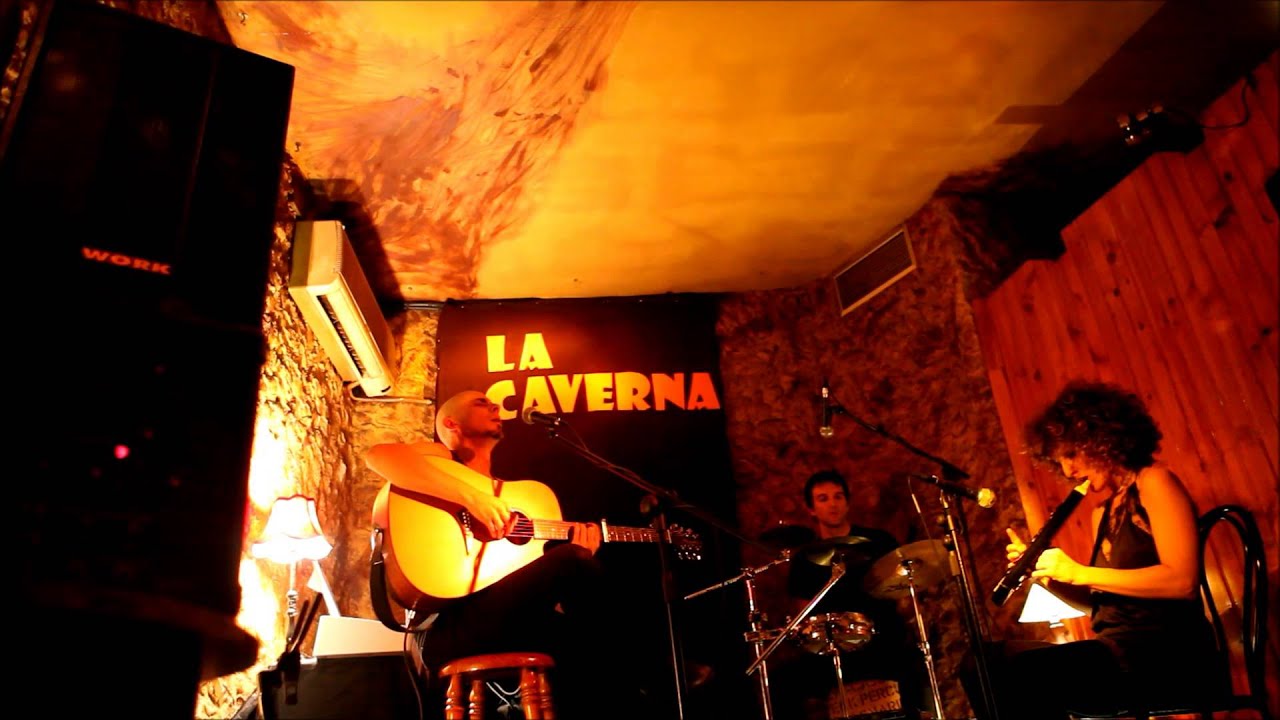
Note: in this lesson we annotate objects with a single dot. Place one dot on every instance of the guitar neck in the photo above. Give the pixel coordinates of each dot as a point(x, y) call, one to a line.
point(560, 530)
point(621, 533)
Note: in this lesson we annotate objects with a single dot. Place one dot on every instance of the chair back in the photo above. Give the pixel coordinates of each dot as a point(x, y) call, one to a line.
point(1253, 605)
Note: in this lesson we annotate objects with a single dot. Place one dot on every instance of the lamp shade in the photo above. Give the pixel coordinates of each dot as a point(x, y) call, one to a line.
point(1043, 606)
point(292, 532)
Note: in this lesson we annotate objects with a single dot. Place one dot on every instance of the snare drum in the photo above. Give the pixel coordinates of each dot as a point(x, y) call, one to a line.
point(846, 630)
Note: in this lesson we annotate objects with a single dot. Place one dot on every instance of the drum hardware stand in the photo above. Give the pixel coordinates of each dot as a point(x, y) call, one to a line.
point(958, 535)
point(907, 570)
point(837, 572)
point(755, 620)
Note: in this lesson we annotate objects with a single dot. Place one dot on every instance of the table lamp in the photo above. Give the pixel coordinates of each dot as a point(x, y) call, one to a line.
point(293, 533)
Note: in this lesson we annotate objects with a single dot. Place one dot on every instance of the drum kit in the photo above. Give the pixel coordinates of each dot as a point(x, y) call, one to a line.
point(892, 574)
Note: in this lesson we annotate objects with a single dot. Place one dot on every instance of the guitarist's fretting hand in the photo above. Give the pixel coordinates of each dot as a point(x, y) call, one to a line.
point(587, 535)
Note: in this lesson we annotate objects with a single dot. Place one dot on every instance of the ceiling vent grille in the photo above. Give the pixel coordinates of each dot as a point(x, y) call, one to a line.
point(888, 262)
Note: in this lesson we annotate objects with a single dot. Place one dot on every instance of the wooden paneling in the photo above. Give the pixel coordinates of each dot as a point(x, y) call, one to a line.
point(1168, 286)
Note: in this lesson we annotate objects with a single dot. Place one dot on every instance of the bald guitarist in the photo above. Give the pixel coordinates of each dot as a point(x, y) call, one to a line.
point(548, 603)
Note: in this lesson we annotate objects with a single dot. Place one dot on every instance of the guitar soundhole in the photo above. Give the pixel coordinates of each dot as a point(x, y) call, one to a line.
point(521, 529)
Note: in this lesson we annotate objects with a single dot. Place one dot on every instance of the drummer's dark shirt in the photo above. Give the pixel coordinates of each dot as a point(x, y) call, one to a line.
point(805, 579)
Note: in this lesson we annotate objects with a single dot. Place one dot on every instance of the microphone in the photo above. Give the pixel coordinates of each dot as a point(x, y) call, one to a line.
point(533, 417)
point(824, 425)
point(1017, 574)
point(985, 497)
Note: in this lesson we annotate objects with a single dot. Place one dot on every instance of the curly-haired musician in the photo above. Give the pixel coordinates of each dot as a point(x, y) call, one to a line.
point(1140, 581)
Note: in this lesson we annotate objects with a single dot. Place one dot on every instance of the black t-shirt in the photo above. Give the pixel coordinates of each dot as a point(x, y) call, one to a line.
point(805, 579)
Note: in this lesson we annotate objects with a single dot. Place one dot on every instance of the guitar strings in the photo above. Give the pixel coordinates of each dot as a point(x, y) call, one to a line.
point(528, 528)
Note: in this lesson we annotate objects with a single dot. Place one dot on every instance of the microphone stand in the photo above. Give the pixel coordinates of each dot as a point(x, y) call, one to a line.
point(958, 530)
point(663, 498)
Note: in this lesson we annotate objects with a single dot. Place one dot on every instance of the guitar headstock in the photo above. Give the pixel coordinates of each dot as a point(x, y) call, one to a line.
point(686, 543)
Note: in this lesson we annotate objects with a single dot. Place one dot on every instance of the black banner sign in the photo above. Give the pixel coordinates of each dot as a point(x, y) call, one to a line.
point(638, 380)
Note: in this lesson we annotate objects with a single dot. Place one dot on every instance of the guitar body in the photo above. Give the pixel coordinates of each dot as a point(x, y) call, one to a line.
point(432, 557)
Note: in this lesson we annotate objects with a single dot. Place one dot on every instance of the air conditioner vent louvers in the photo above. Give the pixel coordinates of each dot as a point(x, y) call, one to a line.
point(335, 299)
point(342, 333)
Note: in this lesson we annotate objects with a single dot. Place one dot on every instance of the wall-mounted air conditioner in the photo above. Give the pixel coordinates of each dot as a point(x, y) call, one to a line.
point(336, 301)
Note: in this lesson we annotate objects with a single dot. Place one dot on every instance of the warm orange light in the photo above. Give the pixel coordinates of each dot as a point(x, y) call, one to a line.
point(292, 532)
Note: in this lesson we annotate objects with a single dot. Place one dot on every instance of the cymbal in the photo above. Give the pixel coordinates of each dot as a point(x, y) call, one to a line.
point(854, 549)
point(786, 536)
point(927, 559)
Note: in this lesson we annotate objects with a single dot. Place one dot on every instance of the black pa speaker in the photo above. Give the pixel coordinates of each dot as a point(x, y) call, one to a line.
point(139, 173)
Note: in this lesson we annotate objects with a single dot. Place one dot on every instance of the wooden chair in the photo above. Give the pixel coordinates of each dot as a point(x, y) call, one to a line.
point(473, 672)
point(1253, 626)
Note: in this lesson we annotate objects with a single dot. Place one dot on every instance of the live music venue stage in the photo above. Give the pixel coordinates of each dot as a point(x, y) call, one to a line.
point(180, 390)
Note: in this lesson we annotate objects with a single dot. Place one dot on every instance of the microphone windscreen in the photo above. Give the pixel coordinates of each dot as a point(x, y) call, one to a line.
point(986, 498)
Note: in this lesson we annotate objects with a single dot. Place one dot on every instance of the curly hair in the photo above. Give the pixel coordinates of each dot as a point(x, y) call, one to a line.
point(1104, 423)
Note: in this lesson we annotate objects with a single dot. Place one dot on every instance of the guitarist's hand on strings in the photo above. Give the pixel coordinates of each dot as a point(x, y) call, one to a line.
point(491, 512)
point(587, 535)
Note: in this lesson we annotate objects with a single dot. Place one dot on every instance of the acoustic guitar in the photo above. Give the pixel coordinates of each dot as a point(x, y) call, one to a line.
point(435, 554)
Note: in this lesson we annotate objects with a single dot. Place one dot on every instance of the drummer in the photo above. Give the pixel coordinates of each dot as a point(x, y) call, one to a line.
point(808, 679)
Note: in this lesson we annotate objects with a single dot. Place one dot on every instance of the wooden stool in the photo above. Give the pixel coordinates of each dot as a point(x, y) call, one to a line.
point(535, 689)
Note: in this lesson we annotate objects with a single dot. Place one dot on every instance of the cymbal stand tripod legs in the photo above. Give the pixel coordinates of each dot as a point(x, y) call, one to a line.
point(756, 619)
point(909, 572)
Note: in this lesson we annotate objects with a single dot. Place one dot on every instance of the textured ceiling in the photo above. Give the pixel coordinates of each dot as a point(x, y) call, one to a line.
point(509, 149)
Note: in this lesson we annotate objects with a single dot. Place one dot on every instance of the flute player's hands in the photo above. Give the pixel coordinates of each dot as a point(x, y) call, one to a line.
point(1053, 564)
point(1016, 547)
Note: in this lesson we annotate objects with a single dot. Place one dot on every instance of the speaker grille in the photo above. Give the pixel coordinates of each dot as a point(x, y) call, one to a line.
point(867, 276)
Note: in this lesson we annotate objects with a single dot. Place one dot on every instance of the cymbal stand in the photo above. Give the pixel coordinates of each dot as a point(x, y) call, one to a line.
point(908, 571)
point(837, 572)
point(834, 651)
point(755, 620)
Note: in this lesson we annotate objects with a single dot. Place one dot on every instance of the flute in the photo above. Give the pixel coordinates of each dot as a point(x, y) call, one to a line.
point(1018, 572)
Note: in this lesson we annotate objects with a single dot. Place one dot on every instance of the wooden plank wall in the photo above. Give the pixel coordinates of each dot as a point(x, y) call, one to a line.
point(1168, 286)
